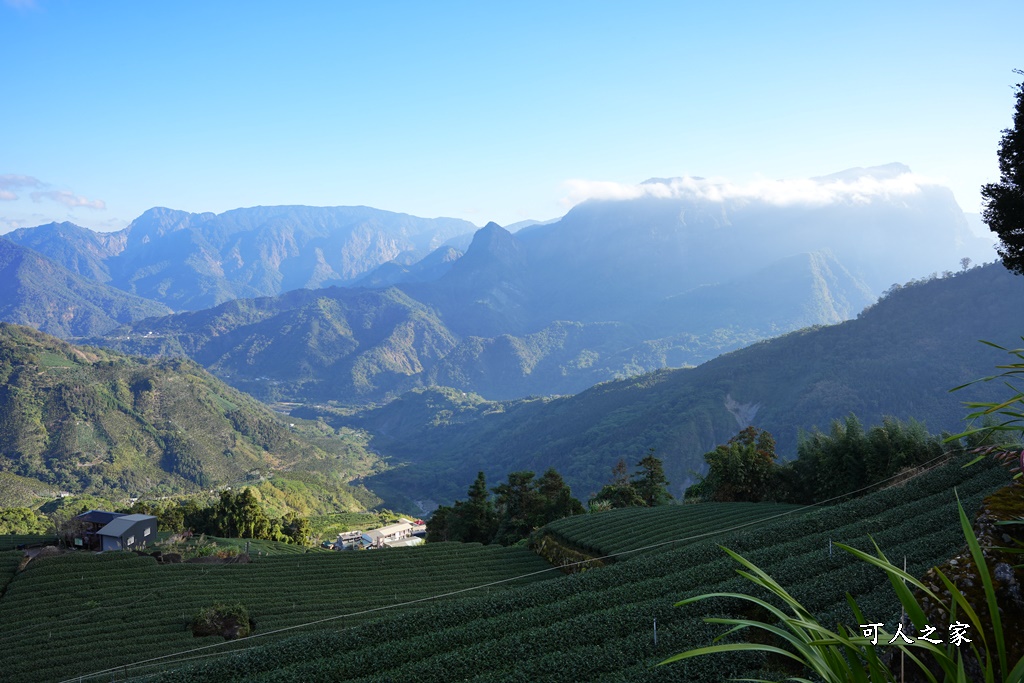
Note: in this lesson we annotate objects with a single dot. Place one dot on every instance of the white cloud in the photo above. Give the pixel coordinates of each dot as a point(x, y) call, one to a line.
point(69, 199)
point(856, 186)
point(9, 182)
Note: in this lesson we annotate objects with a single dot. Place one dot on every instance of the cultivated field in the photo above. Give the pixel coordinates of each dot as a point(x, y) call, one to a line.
point(599, 625)
point(79, 613)
point(633, 529)
point(69, 617)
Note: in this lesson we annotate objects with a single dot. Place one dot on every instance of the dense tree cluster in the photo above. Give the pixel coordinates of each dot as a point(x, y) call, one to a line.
point(237, 514)
point(741, 470)
point(844, 460)
point(22, 520)
point(646, 488)
point(519, 505)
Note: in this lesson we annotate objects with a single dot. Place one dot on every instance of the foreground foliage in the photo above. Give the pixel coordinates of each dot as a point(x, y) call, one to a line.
point(847, 656)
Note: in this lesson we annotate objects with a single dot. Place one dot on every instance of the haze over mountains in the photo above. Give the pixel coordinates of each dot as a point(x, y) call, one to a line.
point(353, 306)
point(41, 293)
point(685, 270)
point(900, 358)
point(190, 261)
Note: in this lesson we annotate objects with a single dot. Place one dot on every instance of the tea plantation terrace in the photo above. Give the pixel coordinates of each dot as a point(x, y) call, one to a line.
point(505, 615)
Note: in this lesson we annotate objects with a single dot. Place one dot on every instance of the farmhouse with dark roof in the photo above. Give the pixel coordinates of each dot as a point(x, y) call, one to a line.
point(102, 530)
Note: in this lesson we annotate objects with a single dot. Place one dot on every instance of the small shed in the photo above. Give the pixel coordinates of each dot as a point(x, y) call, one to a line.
point(128, 532)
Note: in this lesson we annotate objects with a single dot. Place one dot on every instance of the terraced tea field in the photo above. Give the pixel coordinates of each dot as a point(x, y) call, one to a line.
point(630, 529)
point(599, 625)
point(12, 541)
point(68, 615)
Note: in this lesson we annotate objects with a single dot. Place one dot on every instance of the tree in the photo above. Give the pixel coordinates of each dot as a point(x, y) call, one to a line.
point(620, 473)
point(619, 494)
point(1004, 201)
point(517, 503)
point(22, 520)
point(521, 505)
point(556, 498)
point(296, 529)
point(239, 515)
point(650, 482)
point(475, 520)
point(439, 526)
point(741, 470)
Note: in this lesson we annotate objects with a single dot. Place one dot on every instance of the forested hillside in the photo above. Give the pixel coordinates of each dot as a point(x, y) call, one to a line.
point(88, 420)
point(900, 358)
point(308, 345)
point(41, 293)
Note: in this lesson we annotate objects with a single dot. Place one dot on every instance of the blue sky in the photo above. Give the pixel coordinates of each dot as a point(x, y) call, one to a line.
point(483, 111)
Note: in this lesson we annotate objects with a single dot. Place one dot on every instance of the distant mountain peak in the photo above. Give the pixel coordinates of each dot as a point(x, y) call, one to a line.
point(883, 172)
point(672, 181)
point(492, 238)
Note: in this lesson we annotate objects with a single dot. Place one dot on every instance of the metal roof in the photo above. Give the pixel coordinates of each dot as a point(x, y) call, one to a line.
point(122, 524)
point(392, 529)
point(98, 516)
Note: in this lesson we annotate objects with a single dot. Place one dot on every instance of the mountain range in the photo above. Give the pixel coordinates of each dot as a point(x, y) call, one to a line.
point(675, 277)
point(615, 288)
point(899, 358)
point(190, 261)
point(358, 344)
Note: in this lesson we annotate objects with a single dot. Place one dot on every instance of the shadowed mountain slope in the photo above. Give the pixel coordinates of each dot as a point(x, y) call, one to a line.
point(38, 292)
point(899, 358)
